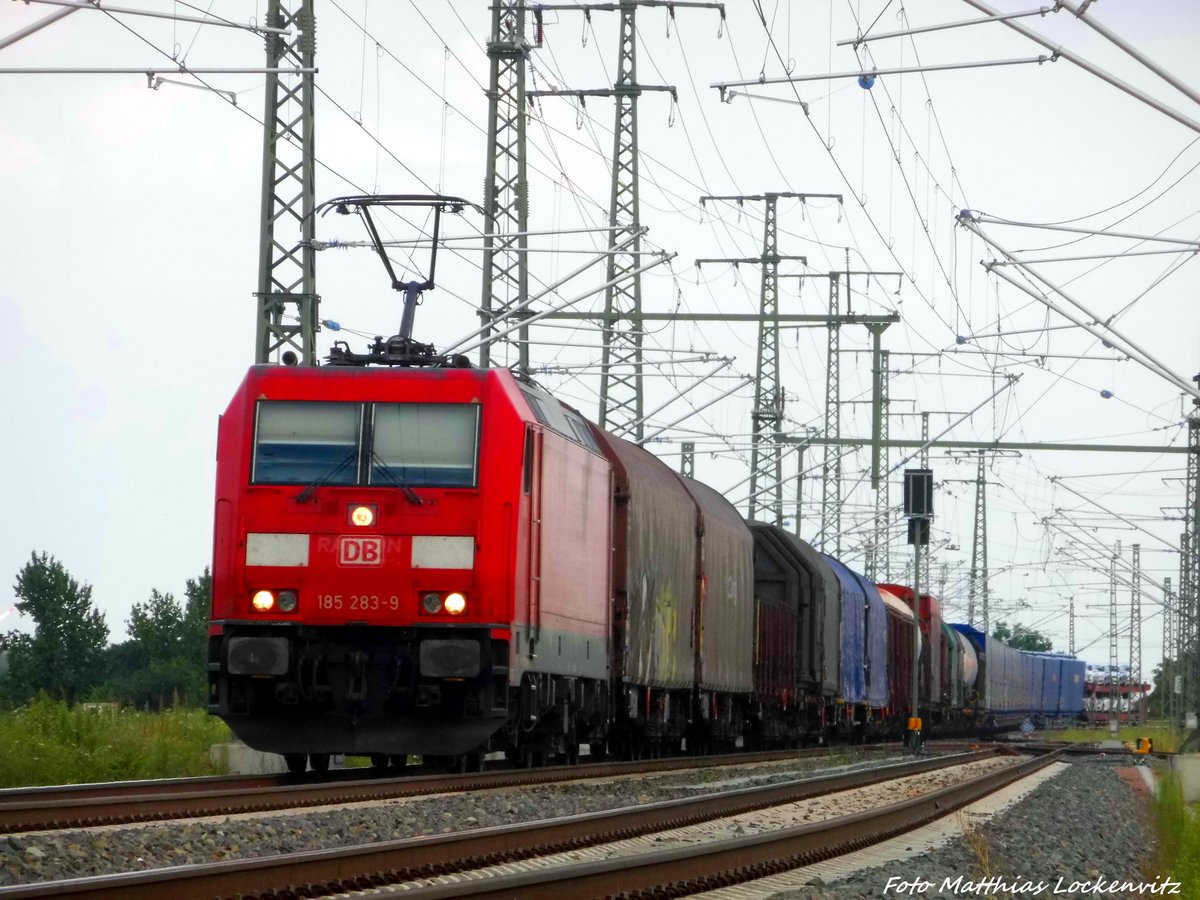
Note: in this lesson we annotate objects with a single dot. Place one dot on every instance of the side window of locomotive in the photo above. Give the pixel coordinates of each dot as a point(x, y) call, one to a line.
point(298, 443)
point(583, 434)
point(535, 406)
point(430, 444)
point(527, 468)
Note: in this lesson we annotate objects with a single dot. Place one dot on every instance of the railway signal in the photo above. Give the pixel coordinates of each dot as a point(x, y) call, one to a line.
point(918, 506)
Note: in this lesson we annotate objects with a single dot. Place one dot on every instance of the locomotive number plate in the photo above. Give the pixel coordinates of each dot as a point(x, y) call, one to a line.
point(360, 551)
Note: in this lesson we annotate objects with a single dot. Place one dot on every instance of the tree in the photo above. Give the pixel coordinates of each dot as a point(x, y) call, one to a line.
point(163, 662)
point(1164, 685)
point(195, 616)
point(63, 655)
point(1021, 638)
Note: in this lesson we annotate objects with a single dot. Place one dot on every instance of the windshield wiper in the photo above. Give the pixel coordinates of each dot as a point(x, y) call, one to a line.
point(409, 494)
point(305, 495)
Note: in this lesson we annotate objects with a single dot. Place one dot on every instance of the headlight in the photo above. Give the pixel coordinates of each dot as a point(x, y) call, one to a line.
point(455, 604)
point(362, 515)
point(431, 603)
point(288, 601)
point(263, 601)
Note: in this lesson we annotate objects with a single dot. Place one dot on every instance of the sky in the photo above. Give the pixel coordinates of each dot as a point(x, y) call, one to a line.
point(128, 258)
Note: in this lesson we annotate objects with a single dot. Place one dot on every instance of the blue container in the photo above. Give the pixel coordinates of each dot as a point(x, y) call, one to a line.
point(1074, 671)
point(878, 690)
point(853, 633)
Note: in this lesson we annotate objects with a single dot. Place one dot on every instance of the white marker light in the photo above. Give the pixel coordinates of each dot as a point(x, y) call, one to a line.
point(363, 516)
point(263, 601)
point(455, 604)
point(432, 603)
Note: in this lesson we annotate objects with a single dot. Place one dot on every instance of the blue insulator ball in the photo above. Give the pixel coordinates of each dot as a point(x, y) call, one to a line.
point(960, 340)
point(866, 82)
point(1106, 394)
point(331, 325)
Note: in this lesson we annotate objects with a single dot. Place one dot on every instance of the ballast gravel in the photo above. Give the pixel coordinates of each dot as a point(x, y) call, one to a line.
point(766, 821)
point(50, 856)
point(1070, 838)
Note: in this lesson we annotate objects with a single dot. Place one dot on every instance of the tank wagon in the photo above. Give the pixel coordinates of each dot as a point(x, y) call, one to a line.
point(445, 561)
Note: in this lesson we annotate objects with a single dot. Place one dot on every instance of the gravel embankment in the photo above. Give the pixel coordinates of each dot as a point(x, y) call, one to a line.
point(1081, 826)
point(54, 855)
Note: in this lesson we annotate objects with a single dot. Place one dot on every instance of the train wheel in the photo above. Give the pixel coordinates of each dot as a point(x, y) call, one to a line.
point(380, 760)
point(296, 762)
point(398, 761)
point(598, 750)
point(319, 762)
point(531, 758)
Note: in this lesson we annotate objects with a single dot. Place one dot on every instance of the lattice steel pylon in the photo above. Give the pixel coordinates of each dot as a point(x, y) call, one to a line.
point(621, 401)
point(831, 467)
point(1112, 633)
point(1183, 626)
point(879, 561)
point(687, 459)
point(1169, 707)
point(1135, 626)
point(766, 417)
point(505, 188)
point(1189, 629)
point(1071, 628)
point(977, 584)
point(287, 282)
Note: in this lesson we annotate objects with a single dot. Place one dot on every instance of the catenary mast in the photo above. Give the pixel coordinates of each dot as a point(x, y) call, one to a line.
point(287, 321)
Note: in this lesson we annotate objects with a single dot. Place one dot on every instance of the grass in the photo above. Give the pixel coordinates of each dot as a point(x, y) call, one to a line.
point(1178, 830)
point(977, 843)
point(1164, 738)
point(47, 742)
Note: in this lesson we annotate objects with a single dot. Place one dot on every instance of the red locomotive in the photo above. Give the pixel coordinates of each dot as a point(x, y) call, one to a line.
point(405, 563)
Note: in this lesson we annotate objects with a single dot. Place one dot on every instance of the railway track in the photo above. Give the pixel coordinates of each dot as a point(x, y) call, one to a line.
point(1073, 749)
point(75, 806)
point(666, 873)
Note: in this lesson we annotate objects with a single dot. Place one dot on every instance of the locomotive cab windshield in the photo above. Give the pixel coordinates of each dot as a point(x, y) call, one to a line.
point(360, 444)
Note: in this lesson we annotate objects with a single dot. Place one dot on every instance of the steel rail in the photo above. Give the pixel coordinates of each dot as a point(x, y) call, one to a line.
point(316, 873)
point(673, 873)
point(1071, 749)
point(72, 806)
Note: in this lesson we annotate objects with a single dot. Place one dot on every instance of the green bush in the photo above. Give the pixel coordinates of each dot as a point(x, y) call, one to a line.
point(47, 742)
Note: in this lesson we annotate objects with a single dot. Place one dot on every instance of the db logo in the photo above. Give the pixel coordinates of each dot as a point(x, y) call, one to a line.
point(360, 551)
